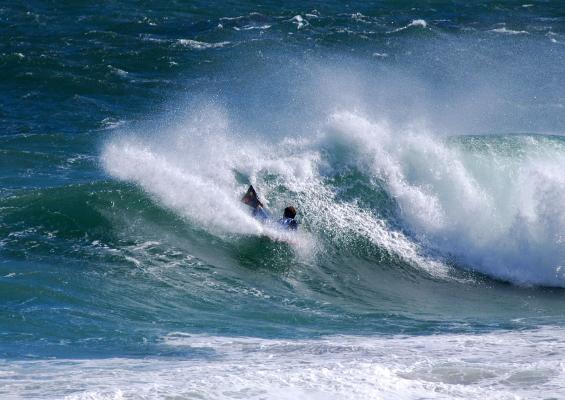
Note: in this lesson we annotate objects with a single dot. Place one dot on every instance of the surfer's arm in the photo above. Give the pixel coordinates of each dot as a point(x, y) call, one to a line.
point(288, 223)
point(260, 213)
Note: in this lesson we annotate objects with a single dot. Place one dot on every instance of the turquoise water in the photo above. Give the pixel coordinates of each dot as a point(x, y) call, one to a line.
point(420, 142)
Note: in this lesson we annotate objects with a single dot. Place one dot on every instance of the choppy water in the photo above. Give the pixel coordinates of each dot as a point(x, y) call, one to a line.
point(421, 143)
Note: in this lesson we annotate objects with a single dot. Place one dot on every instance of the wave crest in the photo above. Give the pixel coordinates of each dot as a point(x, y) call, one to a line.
point(488, 203)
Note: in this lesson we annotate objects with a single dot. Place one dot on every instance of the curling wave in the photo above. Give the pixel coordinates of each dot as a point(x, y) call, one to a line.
point(487, 203)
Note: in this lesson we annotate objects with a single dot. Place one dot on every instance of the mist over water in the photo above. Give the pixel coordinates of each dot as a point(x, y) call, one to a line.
point(422, 146)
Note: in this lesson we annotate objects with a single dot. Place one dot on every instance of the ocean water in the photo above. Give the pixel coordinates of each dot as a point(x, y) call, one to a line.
point(421, 142)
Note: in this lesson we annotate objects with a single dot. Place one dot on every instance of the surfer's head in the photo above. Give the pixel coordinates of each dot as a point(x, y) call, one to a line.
point(290, 212)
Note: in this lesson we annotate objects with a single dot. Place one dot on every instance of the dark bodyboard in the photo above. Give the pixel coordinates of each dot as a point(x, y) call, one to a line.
point(251, 199)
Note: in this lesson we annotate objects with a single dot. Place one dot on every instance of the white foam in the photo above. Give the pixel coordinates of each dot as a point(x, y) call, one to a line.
point(197, 45)
point(501, 214)
point(499, 365)
point(507, 31)
point(191, 171)
point(344, 221)
point(253, 27)
point(419, 23)
point(117, 71)
point(299, 21)
point(111, 123)
point(191, 193)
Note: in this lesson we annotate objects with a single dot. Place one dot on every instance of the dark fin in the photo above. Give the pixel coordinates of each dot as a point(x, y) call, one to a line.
point(250, 198)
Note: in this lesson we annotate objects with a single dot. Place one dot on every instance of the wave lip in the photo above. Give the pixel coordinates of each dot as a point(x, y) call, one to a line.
point(491, 202)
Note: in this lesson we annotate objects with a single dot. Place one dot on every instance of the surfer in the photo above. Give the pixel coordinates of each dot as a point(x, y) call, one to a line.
point(288, 220)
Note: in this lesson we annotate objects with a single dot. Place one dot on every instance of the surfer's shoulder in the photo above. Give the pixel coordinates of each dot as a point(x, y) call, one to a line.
point(288, 220)
point(288, 223)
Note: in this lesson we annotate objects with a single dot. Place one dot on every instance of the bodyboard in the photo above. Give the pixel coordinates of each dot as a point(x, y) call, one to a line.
point(251, 199)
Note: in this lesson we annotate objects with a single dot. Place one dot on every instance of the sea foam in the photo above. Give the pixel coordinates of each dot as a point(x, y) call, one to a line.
point(489, 204)
point(493, 204)
point(343, 367)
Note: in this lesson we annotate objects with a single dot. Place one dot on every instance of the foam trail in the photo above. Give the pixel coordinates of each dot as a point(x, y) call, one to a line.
point(196, 45)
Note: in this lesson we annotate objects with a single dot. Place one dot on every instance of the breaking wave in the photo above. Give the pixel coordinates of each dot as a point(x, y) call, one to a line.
point(486, 203)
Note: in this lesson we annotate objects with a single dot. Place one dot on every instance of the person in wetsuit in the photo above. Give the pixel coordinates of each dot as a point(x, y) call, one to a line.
point(288, 221)
point(252, 200)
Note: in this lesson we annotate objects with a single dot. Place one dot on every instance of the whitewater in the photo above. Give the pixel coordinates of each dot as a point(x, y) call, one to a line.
point(423, 147)
point(487, 203)
point(332, 367)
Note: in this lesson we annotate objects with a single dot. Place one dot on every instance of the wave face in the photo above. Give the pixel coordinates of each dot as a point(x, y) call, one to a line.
point(488, 203)
point(423, 146)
